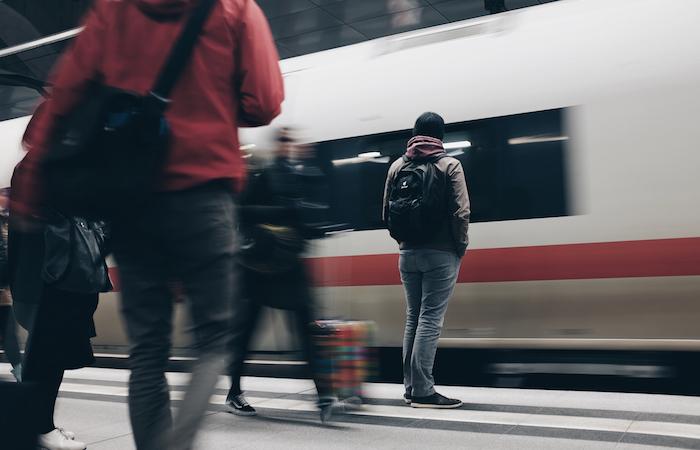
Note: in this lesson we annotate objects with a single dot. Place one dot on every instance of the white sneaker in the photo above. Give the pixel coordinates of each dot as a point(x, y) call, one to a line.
point(56, 440)
point(69, 434)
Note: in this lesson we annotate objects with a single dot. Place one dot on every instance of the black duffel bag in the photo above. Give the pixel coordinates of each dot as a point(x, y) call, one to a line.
point(105, 156)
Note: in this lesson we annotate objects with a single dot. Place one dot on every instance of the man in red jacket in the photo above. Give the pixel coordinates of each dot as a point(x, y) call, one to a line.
point(187, 233)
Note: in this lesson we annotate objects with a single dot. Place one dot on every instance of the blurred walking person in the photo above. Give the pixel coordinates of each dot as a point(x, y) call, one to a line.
point(185, 231)
point(275, 229)
point(55, 282)
point(8, 333)
point(426, 208)
point(8, 327)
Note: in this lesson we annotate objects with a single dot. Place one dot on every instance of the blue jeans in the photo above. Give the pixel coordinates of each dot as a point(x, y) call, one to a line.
point(428, 277)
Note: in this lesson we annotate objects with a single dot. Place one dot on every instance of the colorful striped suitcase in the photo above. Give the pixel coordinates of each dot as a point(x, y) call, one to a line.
point(346, 357)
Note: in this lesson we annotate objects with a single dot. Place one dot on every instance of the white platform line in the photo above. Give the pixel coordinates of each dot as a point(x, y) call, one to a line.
point(609, 401)
point(459, 415)
point(90, 378)
point(273, 385)
point(265, 362)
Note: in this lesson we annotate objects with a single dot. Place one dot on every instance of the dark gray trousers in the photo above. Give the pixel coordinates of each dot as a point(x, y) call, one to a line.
point(185, 237)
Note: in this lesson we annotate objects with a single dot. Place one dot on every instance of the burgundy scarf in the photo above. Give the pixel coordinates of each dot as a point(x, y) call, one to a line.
point(424, 147)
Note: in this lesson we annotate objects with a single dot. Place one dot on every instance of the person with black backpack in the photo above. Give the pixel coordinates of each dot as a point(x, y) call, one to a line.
point(426, 209)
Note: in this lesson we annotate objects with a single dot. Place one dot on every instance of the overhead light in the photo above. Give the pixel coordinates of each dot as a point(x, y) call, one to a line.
point(358, 159)
point(536, 139)
point(458, 152)
point(456, 145)
point(247, 155)
point(372, 156)
point(247, 147)
point(344, 161)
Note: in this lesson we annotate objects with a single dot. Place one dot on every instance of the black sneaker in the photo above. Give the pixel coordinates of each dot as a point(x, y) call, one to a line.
point(238, 405)
point(325, 406)
point(407, 398)
point(435, 401)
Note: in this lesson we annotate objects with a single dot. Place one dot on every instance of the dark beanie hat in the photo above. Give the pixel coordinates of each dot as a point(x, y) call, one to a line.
point(429, 124)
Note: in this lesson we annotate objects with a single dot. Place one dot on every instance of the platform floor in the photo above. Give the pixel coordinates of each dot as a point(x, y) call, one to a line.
point(93, 405)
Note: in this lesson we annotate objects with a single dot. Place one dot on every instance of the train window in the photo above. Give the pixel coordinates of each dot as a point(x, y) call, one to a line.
point(17, 101)
point(26, 21)
point(514, 166)
point(17, 97)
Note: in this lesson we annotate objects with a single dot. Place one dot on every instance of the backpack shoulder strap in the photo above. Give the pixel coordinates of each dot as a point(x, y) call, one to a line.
point(405, 162)
point(181, 51)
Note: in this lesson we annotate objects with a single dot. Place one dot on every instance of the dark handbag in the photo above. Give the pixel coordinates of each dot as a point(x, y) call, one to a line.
point(74, 256)
point(105, 156)
point(271, 249)
point(271, 241)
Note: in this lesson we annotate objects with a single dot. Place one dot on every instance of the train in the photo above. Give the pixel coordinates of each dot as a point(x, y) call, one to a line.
point(576, 124)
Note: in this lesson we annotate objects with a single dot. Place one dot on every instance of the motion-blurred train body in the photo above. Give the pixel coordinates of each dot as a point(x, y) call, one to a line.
point(577, 125)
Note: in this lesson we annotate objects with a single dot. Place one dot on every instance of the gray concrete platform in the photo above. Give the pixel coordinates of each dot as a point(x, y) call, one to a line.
point(93, 405)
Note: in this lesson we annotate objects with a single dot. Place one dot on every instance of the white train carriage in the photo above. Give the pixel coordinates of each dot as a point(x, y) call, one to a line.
point(576, 122)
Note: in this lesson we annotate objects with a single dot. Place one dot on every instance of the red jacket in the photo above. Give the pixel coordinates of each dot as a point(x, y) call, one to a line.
point(233, 79)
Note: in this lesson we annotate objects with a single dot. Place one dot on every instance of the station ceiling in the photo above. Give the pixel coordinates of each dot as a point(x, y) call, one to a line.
point(299, 26)
point(308, 26)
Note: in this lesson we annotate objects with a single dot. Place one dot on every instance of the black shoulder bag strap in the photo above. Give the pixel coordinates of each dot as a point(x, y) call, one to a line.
point(181, 51)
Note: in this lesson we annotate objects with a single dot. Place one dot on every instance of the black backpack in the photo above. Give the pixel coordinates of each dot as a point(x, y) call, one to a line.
point(105, 156)
point(417, 201)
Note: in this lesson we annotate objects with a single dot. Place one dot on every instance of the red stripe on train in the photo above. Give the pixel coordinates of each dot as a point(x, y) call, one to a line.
point(114, 278)
point(648, 258)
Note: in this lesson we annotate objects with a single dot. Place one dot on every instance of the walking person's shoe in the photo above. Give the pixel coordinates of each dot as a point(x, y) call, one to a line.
point(69, 434)
point(407, 398)
point(436, 401)
point(57, 440)
point(238, 405)
point(17, 372)
point(325, 406)
point(353, 403)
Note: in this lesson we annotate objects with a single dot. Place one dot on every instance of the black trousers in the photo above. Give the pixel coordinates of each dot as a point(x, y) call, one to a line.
point(60, 328)
point(261, 290)
point(46, 384)
point(186, 237)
